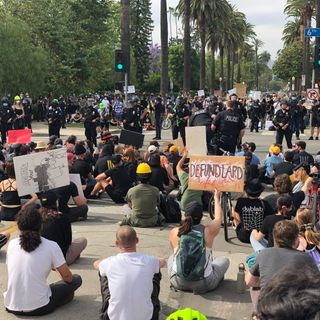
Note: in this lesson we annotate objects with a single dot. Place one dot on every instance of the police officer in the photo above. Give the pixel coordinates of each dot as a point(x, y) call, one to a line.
point(255, 114)
point(159, 111)
point(63, 108)
point(179, 114)
point(91, 120)
point(27, 107)
point(229, 126)
point(7, 116)
point(201, 117)
point(134, 115)
point(54, 116)
point(283, 124)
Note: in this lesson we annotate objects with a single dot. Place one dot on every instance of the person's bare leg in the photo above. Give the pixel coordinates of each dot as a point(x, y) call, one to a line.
point(97, 188)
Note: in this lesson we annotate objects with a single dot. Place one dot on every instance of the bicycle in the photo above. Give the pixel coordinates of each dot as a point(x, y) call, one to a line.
point(226, 205)
point(166, 124)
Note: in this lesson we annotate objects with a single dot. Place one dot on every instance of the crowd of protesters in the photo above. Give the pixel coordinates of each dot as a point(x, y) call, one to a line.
point(281, 228)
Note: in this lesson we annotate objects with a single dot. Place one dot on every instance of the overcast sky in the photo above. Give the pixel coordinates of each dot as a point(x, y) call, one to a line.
point(267, 16)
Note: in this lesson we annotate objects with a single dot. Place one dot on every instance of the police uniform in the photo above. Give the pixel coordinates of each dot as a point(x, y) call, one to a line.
point(283, 117)
point(54, 119)
point(132, 118)
point(62, 105)
point(179, 112)
point(228, 125)
point(202, 118)
point(91, 118)
point(255, 114)
point(27, 107)
point(6, 115)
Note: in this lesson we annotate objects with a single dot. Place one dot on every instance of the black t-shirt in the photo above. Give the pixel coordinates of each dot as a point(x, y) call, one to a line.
point(83, 168)
point(303, 157)
point(159, 177)
point(252, 212)
point(103, 164)
point(121, 181)
point(174, 159)
point(58, 229)
point(284, 168)
point(268, 225)
point(64, 193)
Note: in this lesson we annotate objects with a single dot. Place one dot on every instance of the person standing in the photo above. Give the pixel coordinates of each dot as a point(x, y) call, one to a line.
point(315, 120)
point(91, 119)
point(230, 128)
point(179, 114)
point(17, 107)
point(6, 115)
point(282, 122)
point(133, 116)
point(159, 111)
point(27, 107)
point(54, 118)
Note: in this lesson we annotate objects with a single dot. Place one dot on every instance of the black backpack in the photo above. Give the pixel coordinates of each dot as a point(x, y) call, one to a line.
point(170, 208)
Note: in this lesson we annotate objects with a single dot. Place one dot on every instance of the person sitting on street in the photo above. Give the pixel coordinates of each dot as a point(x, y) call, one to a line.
point(285, 167)
point(249, 147)
point(104, 161)
point(250, 211)
point(130, 281)
point(262, 239)
point(174, 158)
point(301, 155)
point(187, 195)
point(77, 212)
point(159, 177)
point(207, 273)
point(131, 163)
point(271, 162)
point(31, 257)
point(143, 199)
point(56, 227)
point(115, 182)
point(82, 167)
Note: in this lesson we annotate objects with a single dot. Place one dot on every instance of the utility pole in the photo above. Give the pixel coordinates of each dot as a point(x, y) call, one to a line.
point(317, 46)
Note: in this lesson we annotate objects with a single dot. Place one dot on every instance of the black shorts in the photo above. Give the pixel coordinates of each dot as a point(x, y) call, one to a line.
point(315, 122)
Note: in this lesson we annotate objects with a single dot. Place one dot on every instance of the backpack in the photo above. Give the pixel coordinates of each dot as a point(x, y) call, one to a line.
point(191, 257)
point(169, 208)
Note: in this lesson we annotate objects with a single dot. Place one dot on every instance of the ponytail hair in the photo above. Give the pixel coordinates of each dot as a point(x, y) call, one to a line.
point(306, 221)
point(186, 226)
point(29, 223)
point(284, 204)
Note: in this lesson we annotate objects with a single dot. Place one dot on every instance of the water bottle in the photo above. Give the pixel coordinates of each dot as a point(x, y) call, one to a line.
point(241, 284)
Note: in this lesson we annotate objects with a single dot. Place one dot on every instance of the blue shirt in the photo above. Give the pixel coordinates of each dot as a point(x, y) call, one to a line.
point(270, 163)
point(254, 160)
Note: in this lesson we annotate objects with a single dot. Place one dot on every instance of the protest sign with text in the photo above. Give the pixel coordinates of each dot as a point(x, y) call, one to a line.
point(217, 172)
point(19, 136)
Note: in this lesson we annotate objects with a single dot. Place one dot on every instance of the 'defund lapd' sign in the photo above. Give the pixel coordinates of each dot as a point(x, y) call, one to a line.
point(214, 172)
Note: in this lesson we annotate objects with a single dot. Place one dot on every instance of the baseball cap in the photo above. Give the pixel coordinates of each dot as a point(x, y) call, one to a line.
point(275, 150)
point(152, 149)
point(174, 149)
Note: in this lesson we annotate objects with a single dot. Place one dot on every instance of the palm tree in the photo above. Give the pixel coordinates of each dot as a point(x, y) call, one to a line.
point(125, 34)
point(291, 32)
point(257, 44)
point(164, 49)
point(184, 9)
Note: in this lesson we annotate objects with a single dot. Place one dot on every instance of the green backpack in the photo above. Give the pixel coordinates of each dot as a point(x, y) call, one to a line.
point(191, 257)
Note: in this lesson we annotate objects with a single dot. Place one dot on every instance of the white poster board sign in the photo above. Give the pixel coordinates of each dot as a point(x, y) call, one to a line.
point(256, 95)
point(196, 141)
point(201, 93)
point(75, 178)
point(41, 171)
point(131, 89)
point(232, 91)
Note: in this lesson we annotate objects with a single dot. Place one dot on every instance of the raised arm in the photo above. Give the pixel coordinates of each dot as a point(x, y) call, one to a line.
point(181, 161)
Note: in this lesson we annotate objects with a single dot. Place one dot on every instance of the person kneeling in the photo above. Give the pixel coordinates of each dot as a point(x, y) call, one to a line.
point(191, 267)
point(143, 199)
point(31, 257)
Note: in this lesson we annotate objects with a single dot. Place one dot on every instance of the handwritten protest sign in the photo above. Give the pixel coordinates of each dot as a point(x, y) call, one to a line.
point(19, 136)
point(196, 140)
point(222, 173)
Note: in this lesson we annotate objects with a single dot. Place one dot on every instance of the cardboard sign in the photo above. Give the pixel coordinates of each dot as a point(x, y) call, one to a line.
point(19, 136)
point(42, 171)
point(241, 90)
point(216, 172)
point(196, 140)
point(201, 93)
point(131, 138)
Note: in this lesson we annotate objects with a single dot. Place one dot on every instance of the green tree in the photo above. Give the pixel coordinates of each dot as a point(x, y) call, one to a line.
point(141, 30)
point(288, 63)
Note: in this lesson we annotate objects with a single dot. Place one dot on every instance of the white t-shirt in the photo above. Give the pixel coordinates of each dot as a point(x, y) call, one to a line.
point(27, 274)
point(130, 278)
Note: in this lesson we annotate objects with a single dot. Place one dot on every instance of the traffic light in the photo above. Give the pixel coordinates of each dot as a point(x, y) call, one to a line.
point(119, 61)
point(317, 57)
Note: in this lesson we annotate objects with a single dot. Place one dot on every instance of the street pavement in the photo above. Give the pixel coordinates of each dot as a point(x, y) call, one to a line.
point(100, 228)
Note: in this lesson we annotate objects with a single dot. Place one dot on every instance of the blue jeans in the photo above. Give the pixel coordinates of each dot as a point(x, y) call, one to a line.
point(258, 245)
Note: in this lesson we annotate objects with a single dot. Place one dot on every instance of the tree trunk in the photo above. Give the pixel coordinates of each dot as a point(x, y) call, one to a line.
point(257, 69)
point(222, 67)
point(232, 68)
point(228, 70)
point(125, 34)
point(213, 67)
point(239, 67)
point(202, 32)
point(164, 50)
point(187, 48)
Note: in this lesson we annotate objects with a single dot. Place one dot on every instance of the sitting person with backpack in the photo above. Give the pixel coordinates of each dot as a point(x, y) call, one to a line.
point(191, 268)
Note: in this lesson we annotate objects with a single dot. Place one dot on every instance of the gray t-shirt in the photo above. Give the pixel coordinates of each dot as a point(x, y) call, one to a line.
point(271, 260)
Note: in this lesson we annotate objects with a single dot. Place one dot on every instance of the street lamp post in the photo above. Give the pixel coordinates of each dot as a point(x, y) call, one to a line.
point(293, 83)
point(221, 88)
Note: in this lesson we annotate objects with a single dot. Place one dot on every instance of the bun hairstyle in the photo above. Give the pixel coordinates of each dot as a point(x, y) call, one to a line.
point(193, 216)
point(306, 221)
point(284, 204)
point(29, 223)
